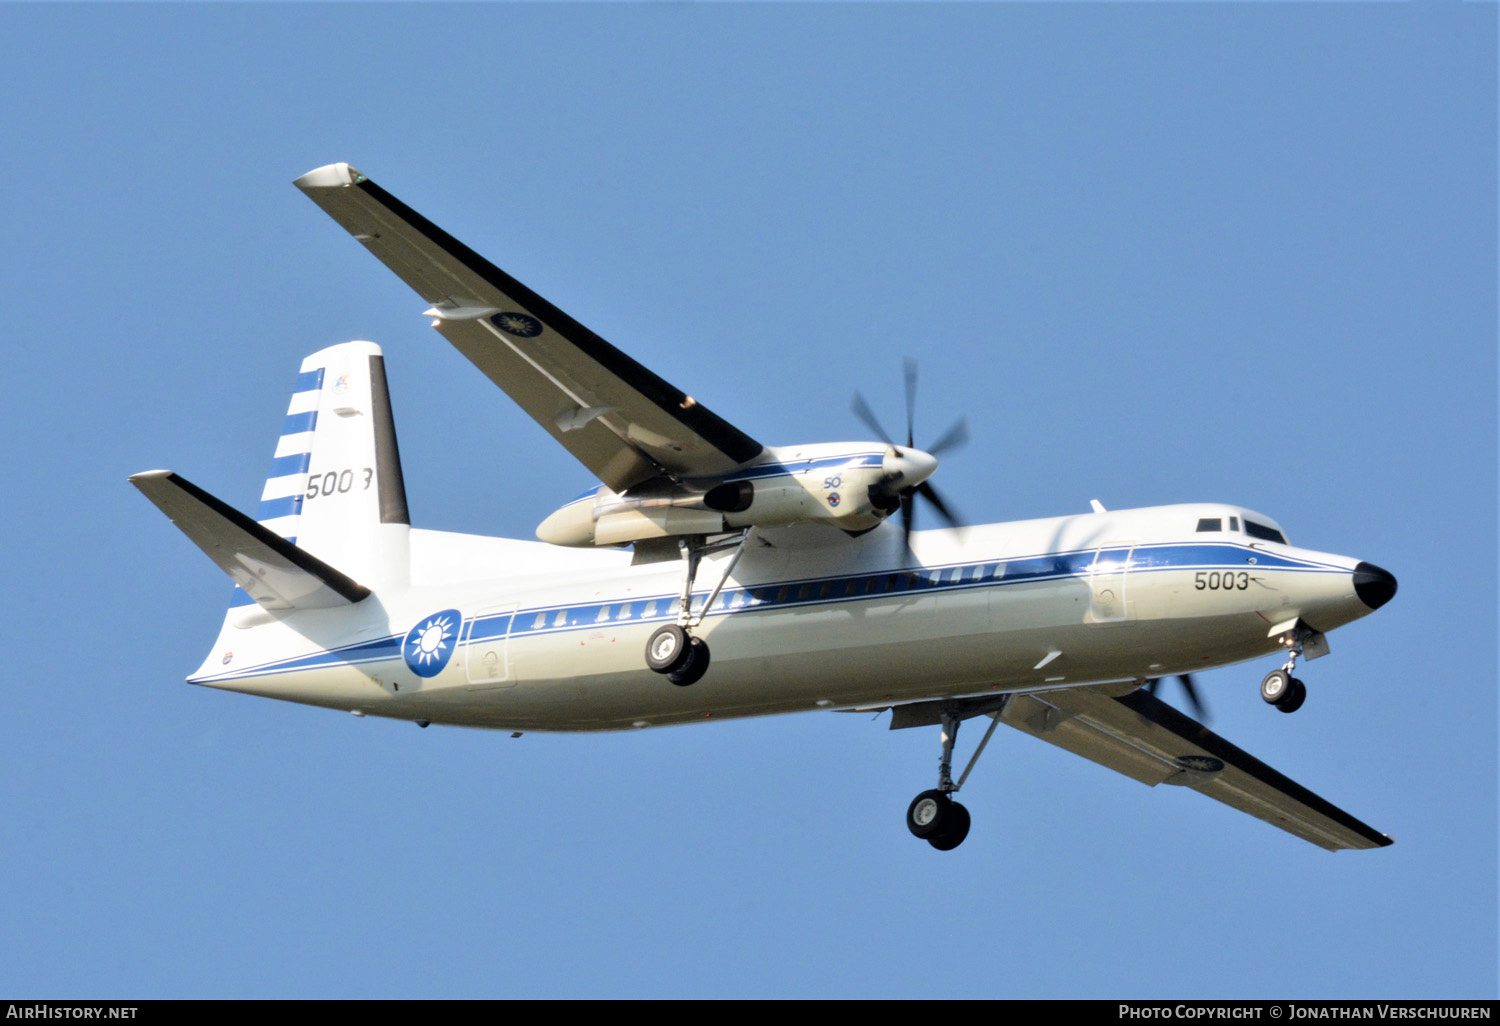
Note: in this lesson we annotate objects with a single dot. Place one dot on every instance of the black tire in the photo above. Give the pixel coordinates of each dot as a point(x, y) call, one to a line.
point(928, 813)
point(1294, 697)
point(955, 829)
point(667, 649)
point(692, 671)
point(1275, 687)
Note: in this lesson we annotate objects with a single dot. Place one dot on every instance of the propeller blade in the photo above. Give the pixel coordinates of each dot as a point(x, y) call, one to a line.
point(930, 493)
point(911, 399)
point(863, 412)
point(908, 514)
point(956, 438)
point(1199, 710)
point(1186, 680)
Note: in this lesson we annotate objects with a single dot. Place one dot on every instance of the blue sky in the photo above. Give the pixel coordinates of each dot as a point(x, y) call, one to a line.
point(1155, 253)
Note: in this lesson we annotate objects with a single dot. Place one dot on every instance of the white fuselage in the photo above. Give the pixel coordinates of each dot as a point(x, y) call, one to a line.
point(541, 638)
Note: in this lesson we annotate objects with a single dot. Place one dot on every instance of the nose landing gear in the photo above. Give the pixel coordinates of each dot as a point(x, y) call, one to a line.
point(1284, 691)
point(1280, 688)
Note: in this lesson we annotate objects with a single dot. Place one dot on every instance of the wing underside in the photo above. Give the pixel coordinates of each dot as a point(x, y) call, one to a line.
point(1141, 736)
point(617, 417)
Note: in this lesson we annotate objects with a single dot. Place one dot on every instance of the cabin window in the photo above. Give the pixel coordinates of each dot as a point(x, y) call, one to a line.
point(649, 611)
point(603, 614)
point(561, 619)
point(540, 621)
point(852, 586)
point(804, 592)
point(826, 589)
point(781, 594)
point(1263, 532)
point(624, 613)
point(1211, 524)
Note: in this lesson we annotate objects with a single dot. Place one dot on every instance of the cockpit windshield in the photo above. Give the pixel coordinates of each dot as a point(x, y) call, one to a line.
point(1263, 532)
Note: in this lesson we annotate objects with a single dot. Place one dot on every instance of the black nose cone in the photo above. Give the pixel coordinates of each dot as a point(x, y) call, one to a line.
point(1373, 585)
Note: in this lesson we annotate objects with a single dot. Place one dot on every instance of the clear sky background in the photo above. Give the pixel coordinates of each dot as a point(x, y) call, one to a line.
point(1155, 253)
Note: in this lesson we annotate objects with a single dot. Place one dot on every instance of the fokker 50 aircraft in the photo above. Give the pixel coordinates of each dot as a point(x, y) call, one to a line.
point(710, 576)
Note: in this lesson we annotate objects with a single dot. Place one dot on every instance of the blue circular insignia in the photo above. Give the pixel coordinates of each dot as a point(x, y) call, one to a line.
point(1202, 763)
point(519, 324)
point(430, 644)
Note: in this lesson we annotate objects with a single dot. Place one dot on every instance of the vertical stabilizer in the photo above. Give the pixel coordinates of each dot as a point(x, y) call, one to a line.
point(335, 487)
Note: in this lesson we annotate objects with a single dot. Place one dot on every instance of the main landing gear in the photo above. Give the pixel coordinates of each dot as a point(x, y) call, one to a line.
point(672, 650)
point(933, 815)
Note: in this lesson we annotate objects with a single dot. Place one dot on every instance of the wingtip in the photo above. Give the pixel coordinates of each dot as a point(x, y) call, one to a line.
point(149, 475)
point(330, 176)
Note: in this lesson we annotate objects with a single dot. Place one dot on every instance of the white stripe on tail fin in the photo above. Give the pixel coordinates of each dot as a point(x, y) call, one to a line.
point(335, 487)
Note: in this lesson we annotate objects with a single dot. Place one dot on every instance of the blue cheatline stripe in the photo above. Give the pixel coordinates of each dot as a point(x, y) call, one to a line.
point(297, 463)
point(296, 423)
point(868, 586)
point(309, 381)
point(270, 509)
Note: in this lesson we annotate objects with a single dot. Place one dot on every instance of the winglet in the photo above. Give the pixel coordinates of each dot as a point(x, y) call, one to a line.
point(276, 573)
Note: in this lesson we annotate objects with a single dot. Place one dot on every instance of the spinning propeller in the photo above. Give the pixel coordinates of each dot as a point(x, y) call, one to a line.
point(907, 468)
point(1186, 680)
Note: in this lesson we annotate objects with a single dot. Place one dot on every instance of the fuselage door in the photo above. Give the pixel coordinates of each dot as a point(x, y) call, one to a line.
point(1107, 574)
point(487, 648)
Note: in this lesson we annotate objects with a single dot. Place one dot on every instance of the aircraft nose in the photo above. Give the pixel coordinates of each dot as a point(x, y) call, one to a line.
point(1373, 585)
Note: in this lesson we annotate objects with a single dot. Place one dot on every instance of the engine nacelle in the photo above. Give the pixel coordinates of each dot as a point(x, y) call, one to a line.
point(849, 498)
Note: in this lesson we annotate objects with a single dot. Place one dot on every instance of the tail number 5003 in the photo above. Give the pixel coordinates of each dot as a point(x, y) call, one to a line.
point(1214, 580)
point(336, 481)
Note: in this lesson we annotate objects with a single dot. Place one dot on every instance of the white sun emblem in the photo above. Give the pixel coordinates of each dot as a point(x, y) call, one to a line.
point(519, 324)
point(431, 641)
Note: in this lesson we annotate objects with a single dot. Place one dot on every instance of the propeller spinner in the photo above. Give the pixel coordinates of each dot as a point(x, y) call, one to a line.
point(907, 468)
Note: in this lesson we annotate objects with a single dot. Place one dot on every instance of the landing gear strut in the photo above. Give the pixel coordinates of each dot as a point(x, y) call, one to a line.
point(672, 650)
point(933, 815)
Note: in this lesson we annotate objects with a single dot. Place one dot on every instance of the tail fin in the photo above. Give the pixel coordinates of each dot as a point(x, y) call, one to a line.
point(335, 487)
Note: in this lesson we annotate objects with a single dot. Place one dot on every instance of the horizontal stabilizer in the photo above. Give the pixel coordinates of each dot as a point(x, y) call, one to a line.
point(273, 571)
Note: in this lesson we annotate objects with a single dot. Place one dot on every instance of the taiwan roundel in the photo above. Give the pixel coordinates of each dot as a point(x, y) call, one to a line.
point(430, 644)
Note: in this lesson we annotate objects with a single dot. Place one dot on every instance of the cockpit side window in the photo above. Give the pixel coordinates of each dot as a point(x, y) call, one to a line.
point(1263, 532)
point(1211, 524)
point(1234, 523)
